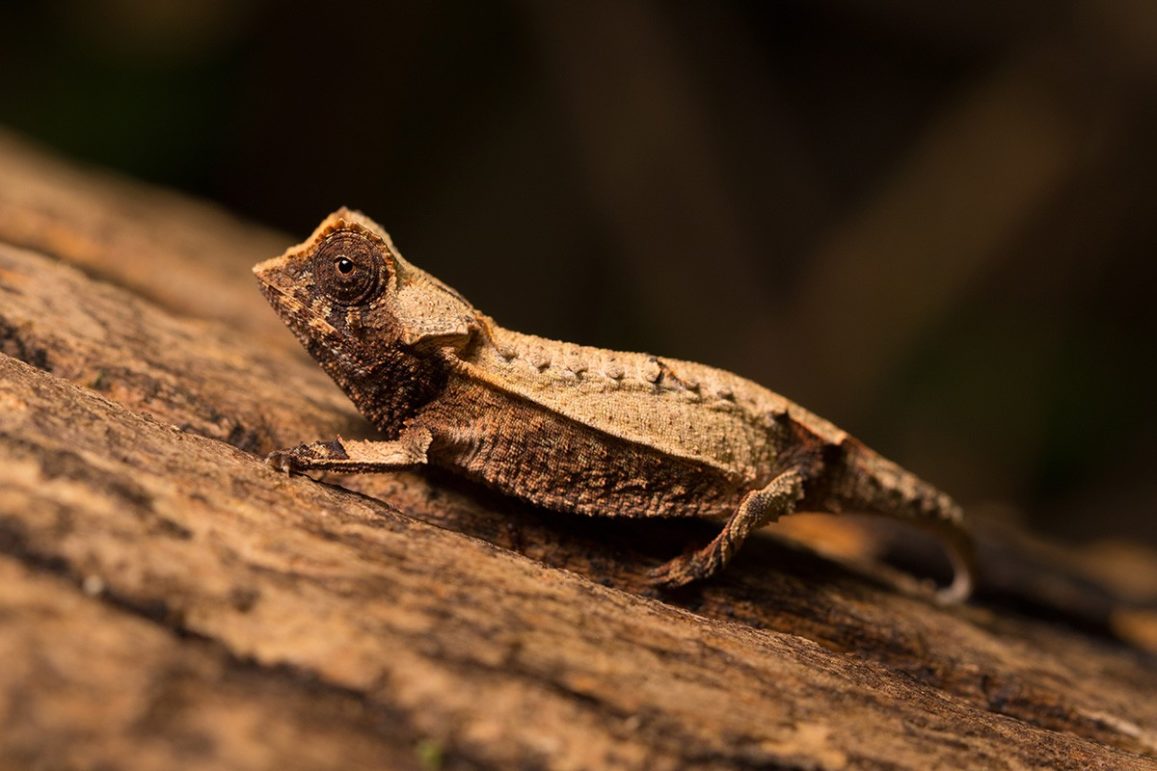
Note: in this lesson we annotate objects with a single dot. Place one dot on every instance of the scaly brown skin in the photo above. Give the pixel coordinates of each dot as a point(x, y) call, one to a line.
point(566, 426)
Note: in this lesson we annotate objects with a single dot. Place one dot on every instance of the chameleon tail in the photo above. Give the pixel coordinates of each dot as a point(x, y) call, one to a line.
point(863, 481)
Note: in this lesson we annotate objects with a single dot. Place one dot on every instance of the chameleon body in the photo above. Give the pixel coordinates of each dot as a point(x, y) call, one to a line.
point(565, 426)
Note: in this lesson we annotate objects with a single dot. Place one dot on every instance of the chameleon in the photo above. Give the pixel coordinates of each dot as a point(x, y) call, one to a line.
point(568, 427)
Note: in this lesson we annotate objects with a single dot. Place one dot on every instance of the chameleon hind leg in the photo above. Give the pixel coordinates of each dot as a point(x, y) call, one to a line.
point(355, 456)
point(758, 508)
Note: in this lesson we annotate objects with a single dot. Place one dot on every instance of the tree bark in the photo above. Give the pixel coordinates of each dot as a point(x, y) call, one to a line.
point(166, 600)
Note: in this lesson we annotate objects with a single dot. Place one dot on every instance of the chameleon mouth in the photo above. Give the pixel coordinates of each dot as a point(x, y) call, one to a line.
point(298, 316)
point(271, 274)
point(281, 300)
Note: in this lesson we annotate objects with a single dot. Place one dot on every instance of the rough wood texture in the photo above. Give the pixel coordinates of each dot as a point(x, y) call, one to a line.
point(166, 600)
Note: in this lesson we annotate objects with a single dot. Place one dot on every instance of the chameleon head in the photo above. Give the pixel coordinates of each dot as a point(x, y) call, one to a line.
point(346, 292)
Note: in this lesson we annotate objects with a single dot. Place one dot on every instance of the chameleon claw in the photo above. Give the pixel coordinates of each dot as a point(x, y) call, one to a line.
point(671, 574)
point(281, 461)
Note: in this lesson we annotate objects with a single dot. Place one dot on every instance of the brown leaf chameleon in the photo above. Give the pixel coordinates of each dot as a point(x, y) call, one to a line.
point(566, 426)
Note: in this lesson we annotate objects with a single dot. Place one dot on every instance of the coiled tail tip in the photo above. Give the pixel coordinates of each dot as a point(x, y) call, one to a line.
point(962, 554)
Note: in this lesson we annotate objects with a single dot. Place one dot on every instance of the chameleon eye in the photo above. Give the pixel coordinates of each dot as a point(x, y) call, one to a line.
point(349, 268)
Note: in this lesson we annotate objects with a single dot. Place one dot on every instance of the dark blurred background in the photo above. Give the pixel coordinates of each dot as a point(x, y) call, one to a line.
point(933, 223)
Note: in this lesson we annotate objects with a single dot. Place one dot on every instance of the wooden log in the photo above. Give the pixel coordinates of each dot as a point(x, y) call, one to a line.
point(167, 600)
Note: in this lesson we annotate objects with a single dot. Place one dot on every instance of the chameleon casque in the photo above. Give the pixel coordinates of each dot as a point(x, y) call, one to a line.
point(565, 426)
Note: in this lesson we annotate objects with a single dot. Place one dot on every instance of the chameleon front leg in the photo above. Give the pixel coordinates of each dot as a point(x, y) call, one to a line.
point(355, 456)
point(758, 507)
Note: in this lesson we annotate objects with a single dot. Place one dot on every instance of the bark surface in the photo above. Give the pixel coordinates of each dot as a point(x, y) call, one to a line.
point(166, 600)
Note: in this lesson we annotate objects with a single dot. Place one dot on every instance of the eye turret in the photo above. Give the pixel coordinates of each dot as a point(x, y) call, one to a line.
point(349, 268)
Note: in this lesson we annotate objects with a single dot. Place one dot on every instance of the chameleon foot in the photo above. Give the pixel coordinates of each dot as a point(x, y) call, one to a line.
point(281, 461)
point(303, 457)
point(684, 570)
point(758, 508)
